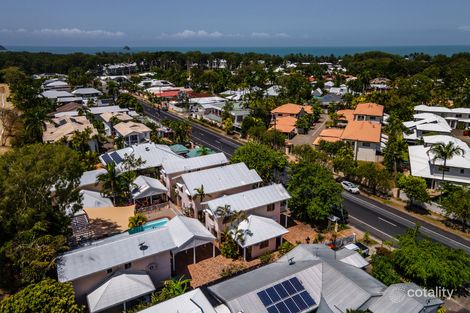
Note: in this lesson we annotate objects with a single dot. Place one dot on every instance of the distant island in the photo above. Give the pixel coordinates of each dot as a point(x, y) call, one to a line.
point(2, 48)
point(126, 48)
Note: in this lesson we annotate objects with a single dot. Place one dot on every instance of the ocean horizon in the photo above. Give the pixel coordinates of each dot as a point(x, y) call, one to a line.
point(282, 51)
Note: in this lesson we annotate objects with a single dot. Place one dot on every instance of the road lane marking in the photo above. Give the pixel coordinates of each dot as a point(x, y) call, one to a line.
point(408, 222)
point(376, 229)
point(384, 220)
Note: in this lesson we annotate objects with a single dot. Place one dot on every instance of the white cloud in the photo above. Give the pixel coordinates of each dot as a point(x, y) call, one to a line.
point(192, 34)
point(465, 28)
point(260, 35)
point(65, 32)
point(281, 35)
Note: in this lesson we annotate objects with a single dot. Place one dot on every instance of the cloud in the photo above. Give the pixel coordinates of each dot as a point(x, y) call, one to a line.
point(66, 32)
point(465, 28)
point(201, 34)
point(268, 35)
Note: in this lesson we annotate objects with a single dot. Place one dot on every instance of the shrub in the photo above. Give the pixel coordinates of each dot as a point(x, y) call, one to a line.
point(285, 247)
point(266, 257)
point(231, 270)
point(229, 248)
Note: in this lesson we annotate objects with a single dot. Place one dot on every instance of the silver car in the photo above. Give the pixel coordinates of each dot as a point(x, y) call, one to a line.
point(349, 187)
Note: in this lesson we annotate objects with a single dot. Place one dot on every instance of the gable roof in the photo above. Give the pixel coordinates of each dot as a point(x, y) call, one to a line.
point(121, 116)
point(251, 199)
point(196, 163)
point(284, 124)
point(91, 177)
point(193, 301)
point(86, 91)
point(145, 186)
point(257, 229)
point(221, 178)
point(288, 108)
point(93, 199)
point(124, 248)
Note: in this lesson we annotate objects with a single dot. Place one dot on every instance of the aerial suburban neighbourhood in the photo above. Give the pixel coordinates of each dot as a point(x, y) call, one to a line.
point(232, 179)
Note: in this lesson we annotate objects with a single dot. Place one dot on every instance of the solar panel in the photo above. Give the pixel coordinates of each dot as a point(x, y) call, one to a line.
point(106, 159)
point(116, 157)
point(288, 296)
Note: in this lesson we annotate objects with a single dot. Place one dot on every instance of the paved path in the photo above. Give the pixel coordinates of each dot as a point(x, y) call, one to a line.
point(308, 139)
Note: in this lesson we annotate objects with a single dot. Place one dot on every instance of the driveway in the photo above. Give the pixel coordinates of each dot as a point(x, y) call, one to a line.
point(309, 138)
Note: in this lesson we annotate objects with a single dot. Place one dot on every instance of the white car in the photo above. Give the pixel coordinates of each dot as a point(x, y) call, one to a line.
point(349, 187)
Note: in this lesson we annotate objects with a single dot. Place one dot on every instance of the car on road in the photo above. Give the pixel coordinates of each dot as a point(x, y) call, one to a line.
point(349, 187)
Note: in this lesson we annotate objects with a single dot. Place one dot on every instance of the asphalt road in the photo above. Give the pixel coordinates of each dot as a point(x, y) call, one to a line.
point(368, 215)
point(386, 223)
point(199, 134)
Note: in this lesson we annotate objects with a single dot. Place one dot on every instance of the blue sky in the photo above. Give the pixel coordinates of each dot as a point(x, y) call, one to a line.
point(235, 23)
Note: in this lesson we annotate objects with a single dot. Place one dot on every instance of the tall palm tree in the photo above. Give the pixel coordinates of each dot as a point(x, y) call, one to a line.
point(110, 181)
point(444, 152)
point(34, 121)
point(200, 193)
point(137, 220)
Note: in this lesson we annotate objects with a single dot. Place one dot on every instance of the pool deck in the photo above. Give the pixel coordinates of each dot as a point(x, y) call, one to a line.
point(169, 211)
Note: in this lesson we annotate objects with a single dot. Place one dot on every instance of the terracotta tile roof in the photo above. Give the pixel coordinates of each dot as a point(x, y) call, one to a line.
point(362, 131)
point(66, 126)
point(328, 139)
point(285, 124)
point(372, 109)
point(308, 109)
point(348, 114)
point(330, 135)
point(288, 108)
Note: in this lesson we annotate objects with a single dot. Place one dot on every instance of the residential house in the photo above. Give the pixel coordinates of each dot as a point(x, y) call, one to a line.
point(66, 100)
point(149, 83)
point(111, 272)
point(422, 163)
point(215, 182)
point(285, 125)
point(132, 132)
point(87, 93)
point(329, 99)
point(311, 278)
point(172, 169)
point(268, 201)
point(292, 110)
point(107, 117)
point(212, 109)
point(193, 301)
point(120, 68)
point(152, 156)
point(68, 107)
point(456, 117)
point(89, 179)
point(65, 127)
point(369, 112)
point(53, 94)
point(55, 84)
point(424, 124)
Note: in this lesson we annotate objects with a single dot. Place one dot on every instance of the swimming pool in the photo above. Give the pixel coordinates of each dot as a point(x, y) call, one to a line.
point(155, 224)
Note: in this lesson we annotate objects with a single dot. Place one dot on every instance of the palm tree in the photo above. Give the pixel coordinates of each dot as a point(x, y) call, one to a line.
point(200, 193)
point(444, 152)
point(35, 123)
point(137, 220)
point(223, 211)
point(110, 181)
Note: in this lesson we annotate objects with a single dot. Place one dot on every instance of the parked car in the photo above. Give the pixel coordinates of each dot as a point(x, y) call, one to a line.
point(349, 187)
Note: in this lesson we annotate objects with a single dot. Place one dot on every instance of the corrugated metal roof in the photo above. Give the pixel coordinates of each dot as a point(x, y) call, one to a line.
point(196, 163)
point(144, 186)
point(351, 257)
point(221, 178)
point(125, 248)
point(257, 229)
point(396, 300)
point(119, 288)
point(93, 199)
point(250, 199)
point(193, 301)
point(91, 177)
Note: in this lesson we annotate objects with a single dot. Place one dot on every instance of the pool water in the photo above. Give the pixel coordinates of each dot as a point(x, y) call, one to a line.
point(155, 224)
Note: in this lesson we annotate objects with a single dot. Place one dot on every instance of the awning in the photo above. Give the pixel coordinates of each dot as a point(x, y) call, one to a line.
point(118, 289)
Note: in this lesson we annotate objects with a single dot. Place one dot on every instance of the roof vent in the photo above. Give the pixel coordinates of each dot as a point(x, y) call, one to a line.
point(291, 261)
point(147, 149)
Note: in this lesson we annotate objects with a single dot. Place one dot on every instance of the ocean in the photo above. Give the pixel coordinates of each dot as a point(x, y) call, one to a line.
point(317, 51)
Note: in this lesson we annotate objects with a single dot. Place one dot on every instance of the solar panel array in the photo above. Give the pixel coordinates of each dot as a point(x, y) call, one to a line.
point(116, 157)
point(288, 296)
point(106, 158)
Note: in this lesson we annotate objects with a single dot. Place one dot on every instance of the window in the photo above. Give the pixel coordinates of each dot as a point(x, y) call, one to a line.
point(270, 207)
point(127, 266)
point(264, 244)
point(283, 204)
point(462, 171)
point(109, 270)
point(445, 169)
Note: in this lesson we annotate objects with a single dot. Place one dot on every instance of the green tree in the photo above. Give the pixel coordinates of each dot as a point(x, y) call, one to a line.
point(383, 269)
point(228, 125)
point(456, 203)
point(304, 122)
point(314, 192)
point(444, 152)
point(110, 181)
point(46, 296)
point(267, 162)
point(200, 193)
point(415, 189)
point(137, 220)
point(34, 123)
point(429, 263)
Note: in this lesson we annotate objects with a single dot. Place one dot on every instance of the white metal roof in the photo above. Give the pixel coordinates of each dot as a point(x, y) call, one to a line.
point(257, 229)
point(220, 178)
point(109, 108)
point(124, 248)
point(351, 257)
point(91, 177)
point(250, 199)
point(144, 186)
point(86, 91)
point(193, 301)
point(93, 199)
point(54, 94)
point(196, 163)
point(429, 140)
point(118, 289)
